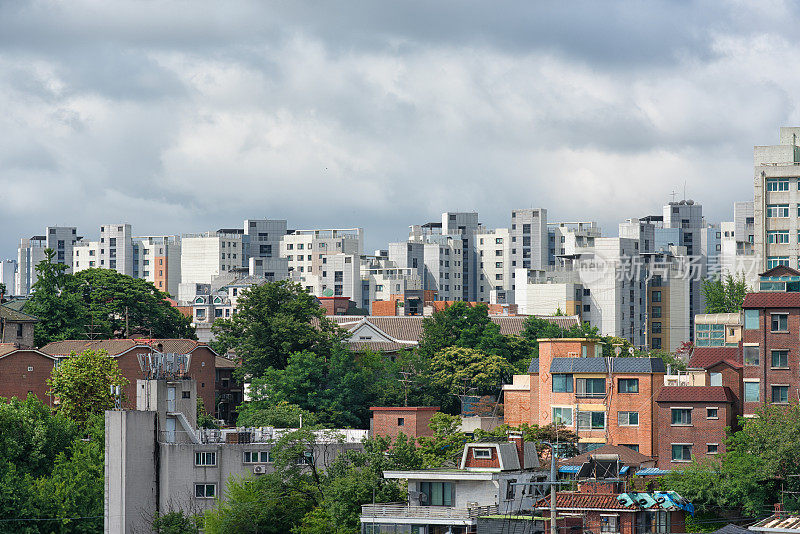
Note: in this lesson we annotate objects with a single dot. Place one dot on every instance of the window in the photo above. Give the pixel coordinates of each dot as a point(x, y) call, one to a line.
point(499, 264)
point(498, 241)
point(779, 237)
point(205, 491)
point(656, 296)
point(562, 416)
point(186, 394)
point(205, 458)
point(591, 420)
point(633, 447)
point(628, 418)
point(656, 312)
point(609, 523)
point(436, 493)
point(401, 421)
point(681, 416)
point(752, 392)
point(713, 448)
point(255, 457)
point(780, 394)
point(590, 387)
point(777, 184)
point(715, 379)
point(510, 489)
point(774, 261)
point(712, 413)
point(780, 322)
point(681, 452)
point(562, 383)
point(19, 329)
point(481, 454)
point(629, 385)
point(780, 358)
point(656, 327)
point(751, 319)
point(777, 210)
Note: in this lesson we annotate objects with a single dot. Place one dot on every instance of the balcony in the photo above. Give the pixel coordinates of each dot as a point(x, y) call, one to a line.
point(434, 513)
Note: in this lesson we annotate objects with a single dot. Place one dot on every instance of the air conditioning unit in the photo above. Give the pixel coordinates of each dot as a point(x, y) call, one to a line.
point(259, 469)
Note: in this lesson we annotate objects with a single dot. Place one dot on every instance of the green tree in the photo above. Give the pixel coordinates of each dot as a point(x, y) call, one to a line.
point(444, 448)
point(455, 369)
point(272, 322)
point(82, 384)
point(280, 415)
point(57, 301)
point(204, 419)
point(175, 522)
point(121, 305)
point(725, 295)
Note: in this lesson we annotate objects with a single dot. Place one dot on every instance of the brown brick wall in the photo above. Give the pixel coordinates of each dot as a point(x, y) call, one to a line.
point(384, 308)
point(769, 341)
point(482, 462)
point(415, 421)
point(17, 381)
point(701, 432)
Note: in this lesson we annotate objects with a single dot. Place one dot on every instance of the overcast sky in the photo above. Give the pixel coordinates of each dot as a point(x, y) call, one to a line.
point(191, 116)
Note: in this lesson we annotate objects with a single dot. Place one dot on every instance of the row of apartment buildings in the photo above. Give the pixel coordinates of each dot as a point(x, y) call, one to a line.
point(643, 285)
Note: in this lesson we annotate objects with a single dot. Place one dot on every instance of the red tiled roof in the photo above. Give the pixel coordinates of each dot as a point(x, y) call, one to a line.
point(5, 348)
point(584, 501)
point(695, 394)
point(769, 299)
point(781, 270)
point(705, 357)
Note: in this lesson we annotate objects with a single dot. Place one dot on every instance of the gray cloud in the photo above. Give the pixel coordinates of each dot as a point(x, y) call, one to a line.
point(184, 117)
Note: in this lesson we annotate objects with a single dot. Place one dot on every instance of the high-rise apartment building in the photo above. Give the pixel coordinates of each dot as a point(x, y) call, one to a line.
point(8, 273)
point(495, 270)
point(463, 227)
point(206, 256)
point(737, 252)
point(157, 259)
point(60, 239)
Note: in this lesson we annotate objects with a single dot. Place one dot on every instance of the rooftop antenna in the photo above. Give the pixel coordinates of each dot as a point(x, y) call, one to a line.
point(684, 190)
point(673, 195)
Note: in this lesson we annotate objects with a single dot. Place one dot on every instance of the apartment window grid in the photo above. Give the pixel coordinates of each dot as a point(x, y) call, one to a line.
point(205, 491)
point(205, 459)
point(774, 261)
point(777, 210)
point(778, 237)
point(710, 335)
point(591, 420)
point(562, 415)
point(777, 184)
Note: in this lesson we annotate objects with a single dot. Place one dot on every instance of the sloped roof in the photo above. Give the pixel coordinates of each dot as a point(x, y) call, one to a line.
point(721, 394)
point(534, 365)
point(771, 299)
point(115, 347)
point(781, 270)
point(626, 455)
point(732, 529)
point(220, 362)
point(8, 313)
point(508, 454)
point(380, 346)
point(705, 357)
point(585, 501)
point(598, 365)
point(5, 348)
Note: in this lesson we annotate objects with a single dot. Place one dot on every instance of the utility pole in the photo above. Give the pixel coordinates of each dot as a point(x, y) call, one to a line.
point(406, 381)
point(553, 484)
point(127, 331)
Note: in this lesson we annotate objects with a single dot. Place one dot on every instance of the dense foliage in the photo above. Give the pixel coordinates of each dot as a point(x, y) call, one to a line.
point(82, 384)
point(272, 322)
point(102, 301)
point(762, 459)
point(49, 469)
point(725, 295)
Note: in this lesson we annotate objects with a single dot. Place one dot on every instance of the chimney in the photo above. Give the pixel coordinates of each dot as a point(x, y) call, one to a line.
point(516, 438)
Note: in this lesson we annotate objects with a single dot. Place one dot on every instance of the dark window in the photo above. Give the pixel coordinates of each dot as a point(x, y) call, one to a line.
point(401, 421)
point(780, 358)
point(186, 394)
point(19, 329)
point(751, 356)
point(681, 416)
point(780, 394)
point(590, 387)
point(436, 494)
point(712, 413)
point(510, 489)
point(656, 327)
point(681, 453)
point(780, 322)
point(562, 383)
point(656, 312)
point(656, 296)
point(629, 385)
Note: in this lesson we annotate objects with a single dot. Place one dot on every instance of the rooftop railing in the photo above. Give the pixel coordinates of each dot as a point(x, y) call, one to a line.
point(402, 510)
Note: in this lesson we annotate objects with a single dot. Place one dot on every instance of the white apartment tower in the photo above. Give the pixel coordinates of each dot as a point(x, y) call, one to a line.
point(206, 256)
point(60, 239)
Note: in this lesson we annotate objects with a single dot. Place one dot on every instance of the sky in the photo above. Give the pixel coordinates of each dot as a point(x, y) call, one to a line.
point(190, 116)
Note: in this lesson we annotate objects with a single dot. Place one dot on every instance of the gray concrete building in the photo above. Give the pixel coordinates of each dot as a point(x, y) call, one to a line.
point(158, 461)
point(60, 239)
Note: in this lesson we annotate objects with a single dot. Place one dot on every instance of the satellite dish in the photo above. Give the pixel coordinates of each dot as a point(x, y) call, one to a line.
point(618, 350)
point(327, 293)
point(630, 351)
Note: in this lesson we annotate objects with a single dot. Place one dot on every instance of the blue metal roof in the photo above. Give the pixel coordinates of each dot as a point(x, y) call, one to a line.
point(650, 471)
point(598, 365)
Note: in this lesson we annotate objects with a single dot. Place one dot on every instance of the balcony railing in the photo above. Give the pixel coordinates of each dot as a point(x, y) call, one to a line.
point(400, 510)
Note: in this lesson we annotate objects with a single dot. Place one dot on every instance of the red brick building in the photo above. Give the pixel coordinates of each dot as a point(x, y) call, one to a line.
point(412, 421)
point(604, 400)
point(24, 371)
point(126, 351)
point(692, 423)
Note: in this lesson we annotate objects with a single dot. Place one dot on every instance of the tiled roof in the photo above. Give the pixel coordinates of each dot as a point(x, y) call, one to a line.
point(220, 362)
point(705, 357)
point(5, 348)
point(732, 529)
point(534, 366)
point(584, 501)
point(627, 456)
point(380, 346)
point(115, 347)
point(781, 270)
point(598, 365)
point(10, 314)
point(769, 299)
point(695, 394)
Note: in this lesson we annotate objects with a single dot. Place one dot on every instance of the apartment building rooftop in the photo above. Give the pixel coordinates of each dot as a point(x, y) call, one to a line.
point(592, 364)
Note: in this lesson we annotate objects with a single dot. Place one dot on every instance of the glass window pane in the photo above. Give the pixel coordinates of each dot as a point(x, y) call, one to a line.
point(751, 392)
point(751, 319)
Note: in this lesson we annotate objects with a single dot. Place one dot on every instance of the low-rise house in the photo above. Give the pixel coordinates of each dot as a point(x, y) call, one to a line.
point(603, 400)
point(692, 423)
point(413, 421)
point(780, 522)
point(16, 326)
point(489, 480)
point(25, 371)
